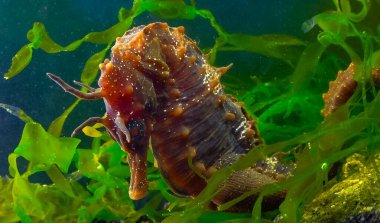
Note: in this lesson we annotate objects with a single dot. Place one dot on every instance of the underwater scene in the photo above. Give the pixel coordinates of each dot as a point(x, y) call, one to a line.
point(190, 111)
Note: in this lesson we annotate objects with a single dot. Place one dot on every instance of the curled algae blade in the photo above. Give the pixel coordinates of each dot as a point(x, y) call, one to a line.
point(20, 61)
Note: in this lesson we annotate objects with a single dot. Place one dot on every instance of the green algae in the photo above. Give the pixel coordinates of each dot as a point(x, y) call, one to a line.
point(357, 193)
point(287, 111)
point(65, 200)
point(43, 149)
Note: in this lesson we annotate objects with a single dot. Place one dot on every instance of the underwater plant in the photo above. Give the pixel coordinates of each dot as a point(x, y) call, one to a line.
point(356, 196)
point(89, 183)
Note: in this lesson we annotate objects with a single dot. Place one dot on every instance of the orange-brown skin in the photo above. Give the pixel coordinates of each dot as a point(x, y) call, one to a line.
point(182, 106)
point(342, 88)
point(158, 86)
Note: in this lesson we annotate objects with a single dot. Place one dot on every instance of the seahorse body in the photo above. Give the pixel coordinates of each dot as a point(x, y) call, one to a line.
point(342, 88)
point(191, 115)
point(159, 86)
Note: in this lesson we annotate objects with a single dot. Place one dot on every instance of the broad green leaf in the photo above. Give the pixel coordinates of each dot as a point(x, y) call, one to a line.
point(116, 155)
point(40, 147)
point(286, 48)
point(40, 39)
point(56, 126)
point(20, 61)
point(121, 171)
point(109, 35)
point(91, 67)
point(306, 66)
point(169, 9)
point(59, 180)
point(89, 165)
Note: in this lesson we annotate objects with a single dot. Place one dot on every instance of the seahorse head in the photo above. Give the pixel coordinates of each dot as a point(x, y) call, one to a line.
point(130, 101)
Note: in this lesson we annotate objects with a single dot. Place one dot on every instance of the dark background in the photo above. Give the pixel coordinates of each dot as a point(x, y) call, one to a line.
point(69, 20)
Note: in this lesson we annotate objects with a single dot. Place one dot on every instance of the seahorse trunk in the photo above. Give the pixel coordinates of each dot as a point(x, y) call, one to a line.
point(159, 86)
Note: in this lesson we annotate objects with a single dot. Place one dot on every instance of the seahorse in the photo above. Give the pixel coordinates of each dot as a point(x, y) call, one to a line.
point(342, 88)
point(159, 86)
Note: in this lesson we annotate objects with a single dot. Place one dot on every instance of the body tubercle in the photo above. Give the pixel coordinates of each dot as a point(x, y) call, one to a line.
point(158, 87)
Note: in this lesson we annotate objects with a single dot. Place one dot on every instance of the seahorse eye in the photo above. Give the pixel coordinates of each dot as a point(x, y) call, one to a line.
point(137, 129)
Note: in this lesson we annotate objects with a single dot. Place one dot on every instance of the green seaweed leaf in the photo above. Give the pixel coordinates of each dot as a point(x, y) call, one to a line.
point(306, 66)
point(169, 9)
point(123, 14)
point(109, 35)
point(89, 165)
point(59, 180)
point(91, 68)
point(56, 126)
point(40, 147)
point(20, 61)
point(278, 46)
point(40, 39)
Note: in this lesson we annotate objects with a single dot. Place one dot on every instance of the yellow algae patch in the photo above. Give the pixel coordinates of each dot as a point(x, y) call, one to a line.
point(358, 193)
point(92, 131)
